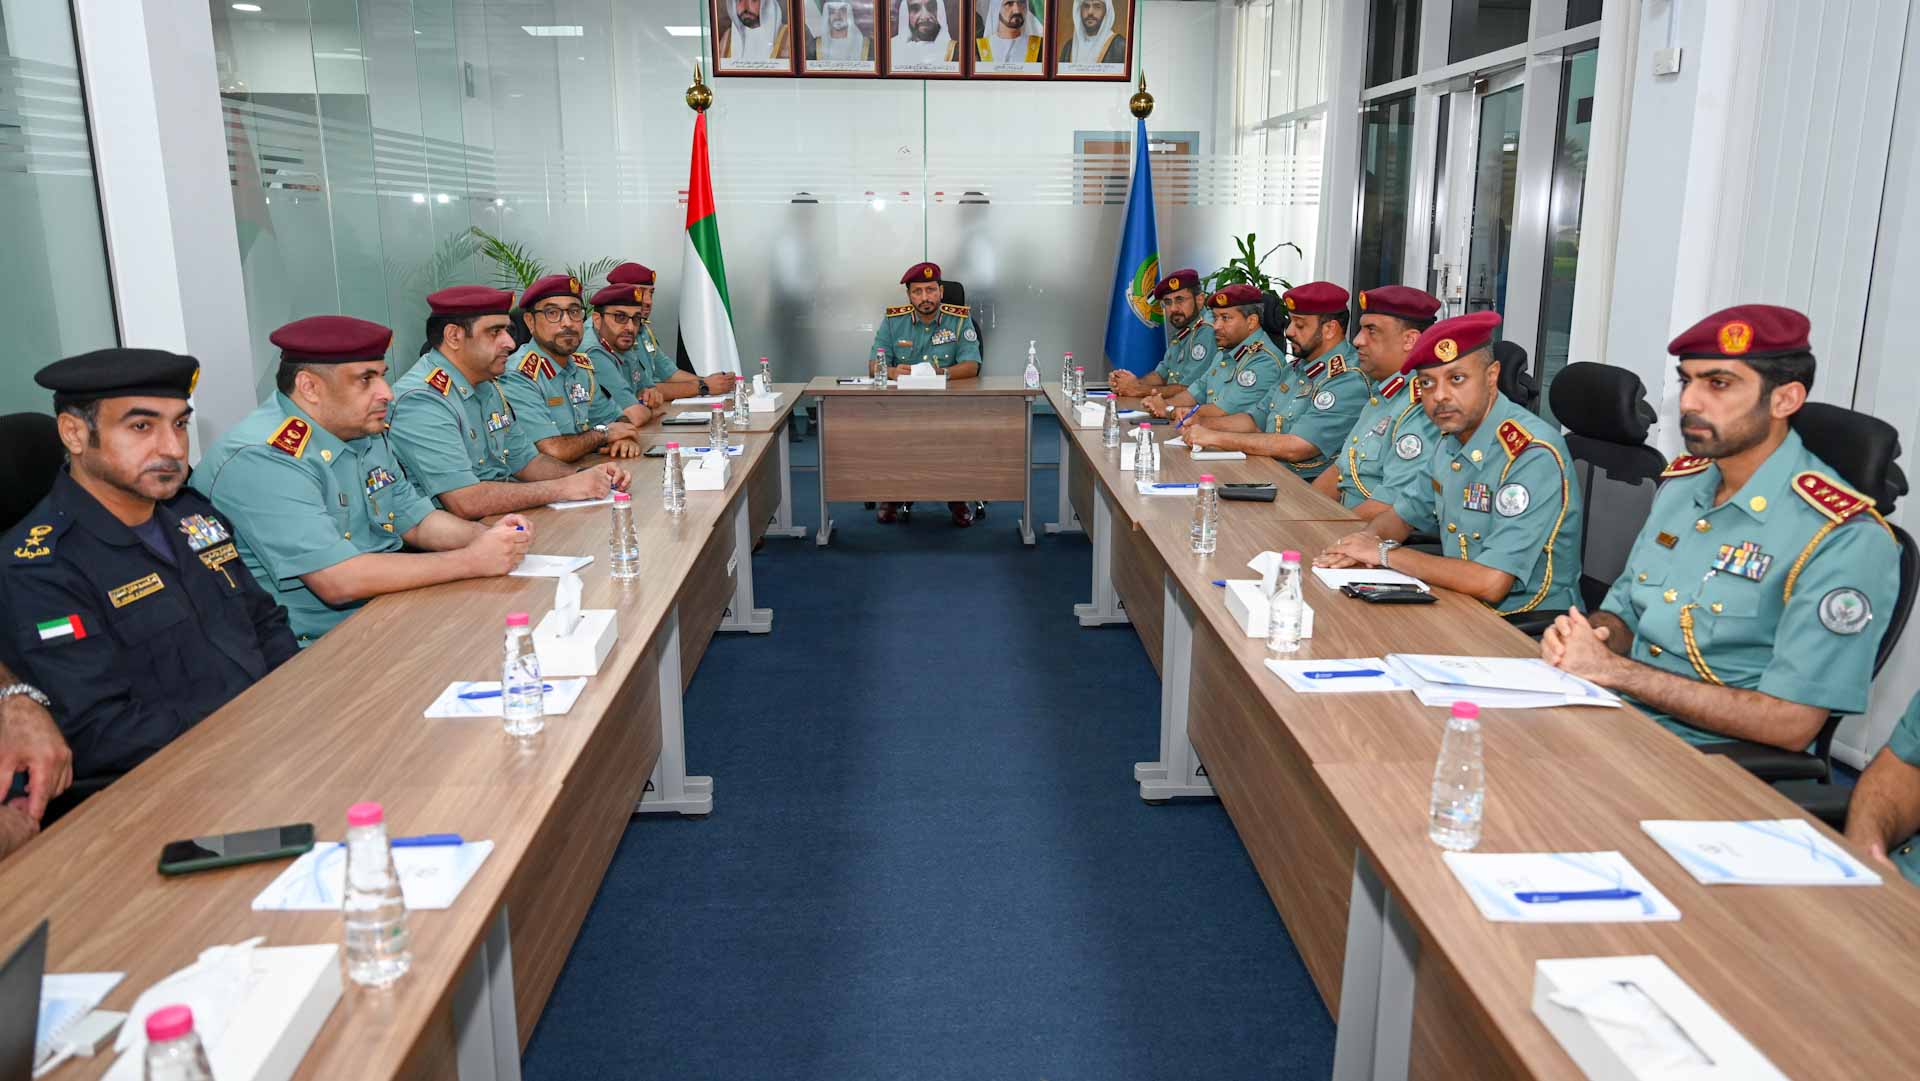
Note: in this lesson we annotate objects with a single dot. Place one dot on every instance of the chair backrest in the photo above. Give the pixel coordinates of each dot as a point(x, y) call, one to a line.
point(30, 457)
point(1607, 417)
point(1896, 624)
point(953, 292)
point(1517, 382)
point(1863, 449)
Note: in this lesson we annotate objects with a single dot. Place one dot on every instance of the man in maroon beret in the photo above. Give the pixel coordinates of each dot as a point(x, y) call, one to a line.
point(621, 337)
point(1392, 439)
point(555, 390)
point(1753, 601)
point(454, 429)
point(925, 330)
point(1190, 344)
point(1245, 365)
point(324, 514)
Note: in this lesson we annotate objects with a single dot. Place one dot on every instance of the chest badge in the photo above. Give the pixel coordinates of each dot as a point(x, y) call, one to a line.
point(1666, 540)
point(377, 478)
point(121, 596)
point(1744, 559)
point(1199, 352)
point(578, 392)
point(203, 532)
point(1512, 500)
point(1408, 446)
point(943, 336)
point(1246, 378)
point(1477, 497)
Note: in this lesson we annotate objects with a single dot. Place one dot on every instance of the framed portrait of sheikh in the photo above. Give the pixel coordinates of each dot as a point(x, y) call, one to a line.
point(1092, 39)
point(753, 37)
point(839, 37)
point(925, 38)
point(1011, 39)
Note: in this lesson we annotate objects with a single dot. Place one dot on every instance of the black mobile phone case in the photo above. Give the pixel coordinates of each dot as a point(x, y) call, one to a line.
point(1264, 494)
point(1398, 596)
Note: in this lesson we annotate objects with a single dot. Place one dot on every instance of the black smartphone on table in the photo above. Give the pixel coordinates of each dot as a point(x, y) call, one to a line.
point(1251, 491)
point(233, 849)
point(1387, 593)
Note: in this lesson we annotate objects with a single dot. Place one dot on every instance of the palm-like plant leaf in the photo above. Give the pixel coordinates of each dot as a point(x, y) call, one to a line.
point(514, 264)
point(589, 274)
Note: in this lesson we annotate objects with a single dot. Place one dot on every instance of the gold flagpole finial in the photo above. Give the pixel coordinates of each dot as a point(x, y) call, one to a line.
point(1141, 103)
point(698, 95)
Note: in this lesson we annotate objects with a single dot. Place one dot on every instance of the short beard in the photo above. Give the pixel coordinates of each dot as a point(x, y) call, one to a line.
point(1726, 445)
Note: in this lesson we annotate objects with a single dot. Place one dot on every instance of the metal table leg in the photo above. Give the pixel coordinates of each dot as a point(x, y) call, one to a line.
point(670, 790)
point(741, 615)
point(783, 514)
point(1026, 497)
point(1106, 606)
point(1178, 771)
point(1064, 518)
point(486, 1032)
point(825, 532)
point(1375, 1038)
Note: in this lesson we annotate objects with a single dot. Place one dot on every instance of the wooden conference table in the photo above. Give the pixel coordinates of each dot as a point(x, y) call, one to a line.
point(344, 721)
point(1329, 795)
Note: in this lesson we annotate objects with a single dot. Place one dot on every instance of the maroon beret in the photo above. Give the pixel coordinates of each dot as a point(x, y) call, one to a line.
point(618, 294)
point(461, 301)
point(1233, 296)
point(1745, 332)
point(630, 274)
point(331, 339)
point(1399, 301)
point(1450, 339)
point(921, 272)
point(1315, 298)
point(553, 285)
point(1184, 278)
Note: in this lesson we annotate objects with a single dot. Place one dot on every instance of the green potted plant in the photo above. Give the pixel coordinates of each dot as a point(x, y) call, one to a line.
point(1244, 268)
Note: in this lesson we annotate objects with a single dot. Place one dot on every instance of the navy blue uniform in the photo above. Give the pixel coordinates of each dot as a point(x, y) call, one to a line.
point(134, 648)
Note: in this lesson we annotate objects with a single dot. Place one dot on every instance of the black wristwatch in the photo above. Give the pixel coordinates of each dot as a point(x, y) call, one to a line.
point(704, 392)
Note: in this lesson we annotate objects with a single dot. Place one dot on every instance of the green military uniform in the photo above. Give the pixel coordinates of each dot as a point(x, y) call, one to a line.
point(1779, 590)
point(1237, 383)
point(1905, 745)
point(625, 375)
point(1505, 499)
point(552, 399)
point(450, 434)
point(950, 339)
point(1317, 401)
point(1390, 445)
point(302, 500)
point(1190, 353)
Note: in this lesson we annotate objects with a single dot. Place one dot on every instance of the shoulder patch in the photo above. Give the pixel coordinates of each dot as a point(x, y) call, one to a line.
point(1514, 437)
point(581, 360)
point(956, 309)
point(291, 437)
point(1685, 465)
point(1337, 365)
point(1413, 390)
point(1829, 496)
point(899, 309)
point(530, 367)
point(35, 541)
point(439, 380)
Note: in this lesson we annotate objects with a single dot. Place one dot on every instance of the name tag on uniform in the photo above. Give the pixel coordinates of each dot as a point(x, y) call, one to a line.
point(1478, 498)
point(556, 401)
point(215, 558)
point(121, 596)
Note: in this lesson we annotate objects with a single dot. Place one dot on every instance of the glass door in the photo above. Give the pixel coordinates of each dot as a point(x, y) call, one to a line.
point(1476, 175)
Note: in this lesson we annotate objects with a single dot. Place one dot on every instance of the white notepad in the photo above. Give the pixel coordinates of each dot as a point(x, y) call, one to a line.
point(556, 702)
point(1294, 674)
point(1777, 852)
point(543, 566)
point(1498, 880)
point(430, 877)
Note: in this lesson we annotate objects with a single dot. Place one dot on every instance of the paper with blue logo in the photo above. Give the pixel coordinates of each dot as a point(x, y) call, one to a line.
point(430, 877)
point(1776, 852)
point(1521, 887)
point(1135, 339)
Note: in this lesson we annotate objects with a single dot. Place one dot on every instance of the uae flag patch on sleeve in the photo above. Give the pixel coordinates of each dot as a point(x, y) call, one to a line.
point(62, 627)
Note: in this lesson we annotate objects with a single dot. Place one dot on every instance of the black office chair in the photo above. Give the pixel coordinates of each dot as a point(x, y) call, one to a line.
point(1518, 383)
point(30, 457)
point(953, 292)
point(1864, 450)
point(1606, 414)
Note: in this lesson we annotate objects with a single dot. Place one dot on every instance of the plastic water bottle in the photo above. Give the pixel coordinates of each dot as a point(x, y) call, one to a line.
point(717, 429)
point(742, 411)
point(766, 375)
point(379, 947)
point(877, 374)
point(1110, 427)
point(1205, 533)
point(173, 1047)
point(1146, 454)
point(1459, 782)
point(623, 551)
point(522, 704)
point(1079, 386)
point(673, 485)
point(1066, 375)
point(1033, 365)
point(1286, 611)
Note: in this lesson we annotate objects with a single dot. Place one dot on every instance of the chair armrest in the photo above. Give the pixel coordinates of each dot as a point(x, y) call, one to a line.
point(1826, 802)
point(1770, 763)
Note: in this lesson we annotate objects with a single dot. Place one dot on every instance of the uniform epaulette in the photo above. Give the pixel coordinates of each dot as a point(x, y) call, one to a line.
point(581, 360)
point(1336, 365)
point(1685, 466)
point(960, 310)
point(1413, 390)
point(439, 380)
point(1313, 370)
point(1392, 386)
point(291, 437)
point(1829, 496)
point(530, 367)
point(32, 542)
point(899, 309)
point(1514, 437)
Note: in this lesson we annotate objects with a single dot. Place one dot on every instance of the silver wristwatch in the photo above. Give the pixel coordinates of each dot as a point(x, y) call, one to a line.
point(601, 428)
point(27, 689)
point(1385, 547)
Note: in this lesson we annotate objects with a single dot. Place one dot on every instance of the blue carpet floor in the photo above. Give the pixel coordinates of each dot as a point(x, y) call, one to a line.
point(927, 858)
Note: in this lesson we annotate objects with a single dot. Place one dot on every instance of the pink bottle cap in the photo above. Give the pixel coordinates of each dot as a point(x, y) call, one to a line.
point(673, 446)
point(1466, 711)
point(169, 1023)
point(1290, 556)
point(516, 619)
point(1069, 356)
point(1078, 368)
point(1144, 425)
point(718, 406)
point(763, 360)
point(1205, 478)
point(366, 814)
point(622, 497)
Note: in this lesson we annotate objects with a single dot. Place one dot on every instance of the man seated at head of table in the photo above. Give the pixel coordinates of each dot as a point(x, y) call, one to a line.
point(1498, 491)
point(926, 330)
point(1884, 814)
point(1245, 365)
point(1753, 599)
point(1392, 440)
point(125, 600)
point(626, 354)
point(1306, 415)
point(555, 391)
point(1190, 347)
point(456, 433)
point(325, 515)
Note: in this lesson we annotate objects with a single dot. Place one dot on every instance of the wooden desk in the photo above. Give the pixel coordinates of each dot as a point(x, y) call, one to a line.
point(971, 441)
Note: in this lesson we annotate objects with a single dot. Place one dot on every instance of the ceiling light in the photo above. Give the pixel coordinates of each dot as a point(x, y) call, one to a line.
point(683, 31)
point(556, 31)
point(442, 199)
point(419, 197)
point(250, 9)
point(878, 204)
point(499, 201)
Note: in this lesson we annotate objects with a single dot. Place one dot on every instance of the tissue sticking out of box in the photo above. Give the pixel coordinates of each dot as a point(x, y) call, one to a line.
point(1267, 566)
point(566, 601)
point(761, 384)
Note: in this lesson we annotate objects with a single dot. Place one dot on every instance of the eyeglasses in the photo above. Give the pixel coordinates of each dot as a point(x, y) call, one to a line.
point(620, 319)
point(555, 316)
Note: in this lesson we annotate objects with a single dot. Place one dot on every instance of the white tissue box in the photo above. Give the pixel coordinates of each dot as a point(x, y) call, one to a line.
point(1616, 1052)
point(764, 403)
point(1091, 414)
point(579, 653)
point(708, 472)
point(1249, 607)
point(921, 382)
point(294, 988)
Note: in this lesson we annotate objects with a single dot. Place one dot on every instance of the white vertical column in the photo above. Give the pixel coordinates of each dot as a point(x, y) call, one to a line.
point(1340, 174)
point(160, 154)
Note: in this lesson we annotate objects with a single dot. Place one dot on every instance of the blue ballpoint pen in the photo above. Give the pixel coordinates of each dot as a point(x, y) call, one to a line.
point(1343, 673)
point(472, 696)
point(1188, 485)
point(428, 840)
point(1545, 897)
point(1189, 416)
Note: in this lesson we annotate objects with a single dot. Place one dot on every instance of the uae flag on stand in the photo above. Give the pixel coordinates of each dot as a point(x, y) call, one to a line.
point(706, 314)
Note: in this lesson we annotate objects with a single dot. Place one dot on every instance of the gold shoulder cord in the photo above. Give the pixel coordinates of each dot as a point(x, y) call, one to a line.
point(1800, 564)
point(1353, 472)
point(1546, 580)
point(1694, 656)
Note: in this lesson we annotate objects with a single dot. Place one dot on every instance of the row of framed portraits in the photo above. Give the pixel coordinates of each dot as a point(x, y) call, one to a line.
point(925, 39)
